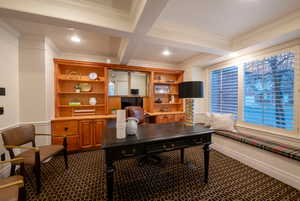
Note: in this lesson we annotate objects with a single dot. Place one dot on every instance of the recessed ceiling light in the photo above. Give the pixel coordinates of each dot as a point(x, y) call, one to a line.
point(166, 53)
point(75, 39)
point(234, 54)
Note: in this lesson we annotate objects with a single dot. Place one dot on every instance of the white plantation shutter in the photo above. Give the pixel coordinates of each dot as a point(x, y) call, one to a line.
point(224, 90)
point(269, 91)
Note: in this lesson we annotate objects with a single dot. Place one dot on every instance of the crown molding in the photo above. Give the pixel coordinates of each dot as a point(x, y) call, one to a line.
point(276, 29)
point(193, 39)
point(95, 7)
point(9, 28)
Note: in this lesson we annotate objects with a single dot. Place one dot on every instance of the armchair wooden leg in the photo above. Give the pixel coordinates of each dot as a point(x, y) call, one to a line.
point(22, 194)
point(66, 158)
point(37, 171)
point(12, 169)
point(65, 151)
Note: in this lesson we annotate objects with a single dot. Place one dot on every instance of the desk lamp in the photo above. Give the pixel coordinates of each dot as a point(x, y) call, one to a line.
point(189, 91)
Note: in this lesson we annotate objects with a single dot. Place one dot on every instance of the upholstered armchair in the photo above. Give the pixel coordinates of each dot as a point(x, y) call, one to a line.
point(12, 188)
point(142, 117)
point(137, 112)
point(14, 138)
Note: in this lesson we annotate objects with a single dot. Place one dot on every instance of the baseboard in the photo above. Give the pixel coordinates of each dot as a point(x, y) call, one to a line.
point(276, 173)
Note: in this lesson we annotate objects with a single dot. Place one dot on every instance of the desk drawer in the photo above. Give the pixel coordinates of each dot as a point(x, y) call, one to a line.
point(165, 146)
point(126, 152)
point(199, 140)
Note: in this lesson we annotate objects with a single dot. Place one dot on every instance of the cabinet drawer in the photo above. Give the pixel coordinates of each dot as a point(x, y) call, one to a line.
point(60, 128)
point(165, 118)
point(165, 146)
point(72, 141)
point(180, 117)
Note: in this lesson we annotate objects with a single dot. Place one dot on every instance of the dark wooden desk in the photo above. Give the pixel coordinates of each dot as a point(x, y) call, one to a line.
point(153, 138)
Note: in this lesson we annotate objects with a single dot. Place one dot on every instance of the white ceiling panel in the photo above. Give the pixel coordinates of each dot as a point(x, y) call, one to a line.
point(91, 42)
point(153, 52)
point(227, 18)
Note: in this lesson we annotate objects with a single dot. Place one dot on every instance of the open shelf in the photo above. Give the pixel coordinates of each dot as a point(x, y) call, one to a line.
point(164, 82)
point(175, 94)
point(71, 106)
point(167, 103)
point(82, 93)
point(69, 74)
point(80, 80)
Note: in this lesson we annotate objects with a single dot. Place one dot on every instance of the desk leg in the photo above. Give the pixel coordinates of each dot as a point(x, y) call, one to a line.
point(206, 150)
point(182, 156)
point(109, 180)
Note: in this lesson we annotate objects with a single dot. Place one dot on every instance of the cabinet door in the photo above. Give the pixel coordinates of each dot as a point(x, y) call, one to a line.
point(171, 118)
point(98, 131)
point(180, 117)
point(86, 133)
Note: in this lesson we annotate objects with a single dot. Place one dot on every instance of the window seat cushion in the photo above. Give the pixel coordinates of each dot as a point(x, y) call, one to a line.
point(275, 147)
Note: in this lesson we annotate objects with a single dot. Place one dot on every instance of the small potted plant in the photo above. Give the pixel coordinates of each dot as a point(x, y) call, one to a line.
point(114, 110)
point(77, 88)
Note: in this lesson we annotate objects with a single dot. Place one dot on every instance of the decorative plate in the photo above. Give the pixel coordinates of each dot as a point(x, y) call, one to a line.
point(85, 87)
point(93, 76)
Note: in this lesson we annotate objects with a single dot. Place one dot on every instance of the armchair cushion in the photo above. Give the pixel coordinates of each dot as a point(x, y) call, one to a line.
point(45, 152)
point(10, 193)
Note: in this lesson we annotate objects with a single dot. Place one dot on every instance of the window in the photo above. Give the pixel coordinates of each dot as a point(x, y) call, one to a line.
point(269, 91)
point(224, 90)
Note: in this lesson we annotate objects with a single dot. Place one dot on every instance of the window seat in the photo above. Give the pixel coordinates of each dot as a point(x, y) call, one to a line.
point(289, 151)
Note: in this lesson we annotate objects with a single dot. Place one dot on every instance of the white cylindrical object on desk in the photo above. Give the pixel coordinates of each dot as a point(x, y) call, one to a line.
point(121, 124)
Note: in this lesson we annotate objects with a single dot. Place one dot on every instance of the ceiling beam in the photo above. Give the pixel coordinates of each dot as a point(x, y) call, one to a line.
point(143, 23)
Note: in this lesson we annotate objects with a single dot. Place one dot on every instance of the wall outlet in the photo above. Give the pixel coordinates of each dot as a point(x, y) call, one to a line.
point(2, 91)
point(1, 110)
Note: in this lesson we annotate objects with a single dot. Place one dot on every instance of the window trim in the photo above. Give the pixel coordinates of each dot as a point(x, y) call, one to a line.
point(239, 62)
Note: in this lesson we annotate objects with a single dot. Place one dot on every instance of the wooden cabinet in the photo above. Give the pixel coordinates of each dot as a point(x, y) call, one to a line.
point(81, 134)
point(98, 131)
point(90, 132)
point(169, 118)
point(86, 133)
point(179, 117)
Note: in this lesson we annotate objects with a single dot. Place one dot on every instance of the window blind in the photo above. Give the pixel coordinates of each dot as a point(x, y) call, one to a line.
point(269, 91)
point(224, 90)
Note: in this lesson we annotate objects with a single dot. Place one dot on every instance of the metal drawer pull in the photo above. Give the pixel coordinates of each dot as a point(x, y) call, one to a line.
point(126, 154)
point(169, 148)
point(197, 141)
point(66, 128)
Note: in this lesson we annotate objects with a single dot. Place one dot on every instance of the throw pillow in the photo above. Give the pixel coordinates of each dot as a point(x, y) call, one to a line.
point(223, 122)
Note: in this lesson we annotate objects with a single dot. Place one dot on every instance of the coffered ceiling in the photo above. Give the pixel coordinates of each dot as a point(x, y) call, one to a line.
point(196, 32)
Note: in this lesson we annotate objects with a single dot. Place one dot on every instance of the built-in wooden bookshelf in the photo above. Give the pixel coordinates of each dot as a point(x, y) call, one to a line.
point(84, 129)
point(165, 97)
point(69, 74)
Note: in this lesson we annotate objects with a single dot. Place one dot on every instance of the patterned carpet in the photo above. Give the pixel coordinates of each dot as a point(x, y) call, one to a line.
point(229, 180)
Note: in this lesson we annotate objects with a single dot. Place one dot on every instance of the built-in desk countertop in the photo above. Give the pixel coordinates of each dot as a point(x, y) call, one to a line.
point(108, 116)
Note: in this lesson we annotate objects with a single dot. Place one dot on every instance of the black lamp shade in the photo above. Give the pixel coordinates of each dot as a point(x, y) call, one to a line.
point(191, 89)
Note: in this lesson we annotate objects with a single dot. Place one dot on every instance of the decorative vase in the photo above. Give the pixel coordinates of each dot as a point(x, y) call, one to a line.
point(132, 126)
point(92, 101)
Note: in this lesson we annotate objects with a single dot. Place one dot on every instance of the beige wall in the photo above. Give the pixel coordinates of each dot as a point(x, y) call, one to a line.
point(9, 77)
point(32, 79)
